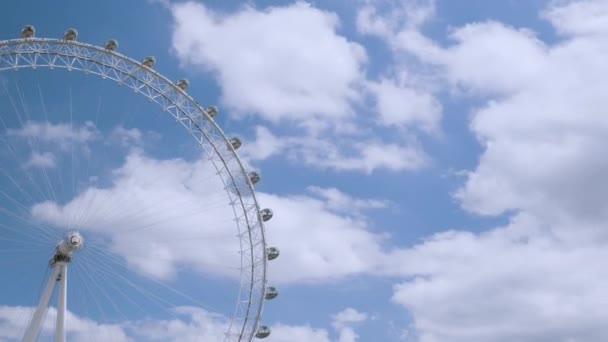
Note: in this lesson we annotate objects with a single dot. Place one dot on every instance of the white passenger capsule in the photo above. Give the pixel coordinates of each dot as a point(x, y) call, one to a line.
point(211, 111)
point(254, 177)
point(111, 44)
point(149, 61)
point(266, 214)
point(70, 34)
point(272, 253)
point(182, 84)
point(28, 31)
point(271, 293)
point(235, 143)
point(262, 332)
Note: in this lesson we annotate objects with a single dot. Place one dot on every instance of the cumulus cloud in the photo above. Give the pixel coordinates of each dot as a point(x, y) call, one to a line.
point(283, 62)
point(347, 316)
point(517, 283)
point(63, 135)
point(330, 246)
point(365, 156)
point(553, 121)
point(343, 321)
point(344, 203)
point(542, 128)
point(578, 18)
point(286, 333)
point(46, 142)
point(264, 146)
point(344, 154)
point(405, 106)
point(188, 324)
point(126, 136)
point(464, 64)
point(42, 160)
point(384, 17)
point(295, 70)
point(14, 320)
point(155, 215)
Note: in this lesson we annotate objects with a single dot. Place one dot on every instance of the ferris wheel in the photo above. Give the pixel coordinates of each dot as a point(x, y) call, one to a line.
point(65, 246)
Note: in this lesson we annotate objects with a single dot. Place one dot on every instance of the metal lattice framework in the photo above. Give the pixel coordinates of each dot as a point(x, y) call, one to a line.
point(70, 54)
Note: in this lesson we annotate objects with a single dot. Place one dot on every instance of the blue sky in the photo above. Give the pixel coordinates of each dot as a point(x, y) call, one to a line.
point(434, 167)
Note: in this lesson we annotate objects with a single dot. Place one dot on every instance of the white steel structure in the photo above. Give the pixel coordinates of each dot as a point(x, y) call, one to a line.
point(104, 61)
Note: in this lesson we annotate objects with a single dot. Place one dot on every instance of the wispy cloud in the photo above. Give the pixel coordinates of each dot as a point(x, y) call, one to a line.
point(41, 160)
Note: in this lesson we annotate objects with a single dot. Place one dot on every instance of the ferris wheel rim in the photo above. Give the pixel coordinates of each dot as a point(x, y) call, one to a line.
point(26, 53)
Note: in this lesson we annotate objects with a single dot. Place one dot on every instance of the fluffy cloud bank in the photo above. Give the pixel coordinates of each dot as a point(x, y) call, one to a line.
point(542, 129)
point(284, 62)
point(291, 67)
point(155, 215)
point(189, 324)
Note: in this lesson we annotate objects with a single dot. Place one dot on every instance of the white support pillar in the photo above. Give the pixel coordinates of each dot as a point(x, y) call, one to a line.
point(61, 303)
point(59, 263)
point(33, 329)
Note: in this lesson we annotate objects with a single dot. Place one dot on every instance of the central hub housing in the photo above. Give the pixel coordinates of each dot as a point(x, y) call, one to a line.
point(70, 243)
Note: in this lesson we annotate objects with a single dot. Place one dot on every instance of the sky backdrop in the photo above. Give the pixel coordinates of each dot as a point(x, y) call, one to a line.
point(433, 165)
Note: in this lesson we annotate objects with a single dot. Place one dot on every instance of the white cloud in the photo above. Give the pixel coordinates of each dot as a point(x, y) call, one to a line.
point(64, 135)
point(296, 71)
point(286, 333)
point(464, 64)
point(409, 14)
point(339, 154)
point(347, 316)
point(348, 335)
point(285, 63)
point(467, 61)
point(342, 322)
point(392, 157)
point(542, 130)
point(406, 97)
point(328, 246)
point(192, 324)
point(359, 156)
point(579, 17)
point(132, 138)
point(538, 119)
point(264, 146)
point(189, 324)
point(13, 321)
point(153, 214)
point(399, 22)
point(153, 211)
point(126, 137)
point(553, 122)
point(344, 203)
point(402, 105)
point(42, 160)
point(513, 284)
